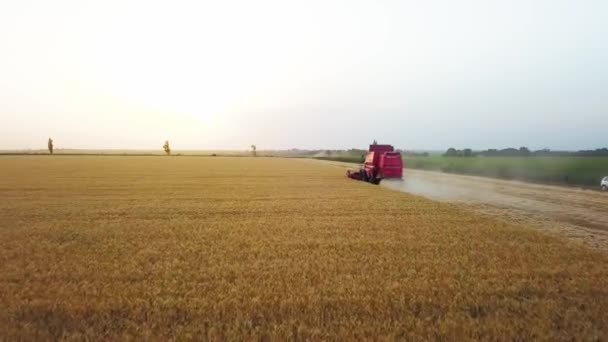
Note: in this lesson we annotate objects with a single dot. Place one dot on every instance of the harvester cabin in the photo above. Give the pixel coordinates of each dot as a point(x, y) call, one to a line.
point(375, 151)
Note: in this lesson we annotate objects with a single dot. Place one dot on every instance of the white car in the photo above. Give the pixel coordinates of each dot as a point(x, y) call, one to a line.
point(605, 183)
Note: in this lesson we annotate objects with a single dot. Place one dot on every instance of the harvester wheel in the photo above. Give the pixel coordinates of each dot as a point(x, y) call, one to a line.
point(364, 176)
point(374, 178)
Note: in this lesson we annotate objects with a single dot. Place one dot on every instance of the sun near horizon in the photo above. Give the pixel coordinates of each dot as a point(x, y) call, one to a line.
point(320, 74)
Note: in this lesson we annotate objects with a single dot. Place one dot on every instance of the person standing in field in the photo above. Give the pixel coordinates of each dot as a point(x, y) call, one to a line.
point(167, 148)
point(50, 146)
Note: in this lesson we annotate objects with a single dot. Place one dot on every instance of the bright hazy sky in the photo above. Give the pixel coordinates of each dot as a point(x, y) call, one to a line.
point(308, 74)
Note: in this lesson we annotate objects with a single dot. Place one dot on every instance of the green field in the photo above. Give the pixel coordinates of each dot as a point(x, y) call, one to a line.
point(582, 171)
point(587, 171)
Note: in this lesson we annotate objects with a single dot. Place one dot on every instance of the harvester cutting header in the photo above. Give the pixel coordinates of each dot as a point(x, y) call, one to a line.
point(381, 162)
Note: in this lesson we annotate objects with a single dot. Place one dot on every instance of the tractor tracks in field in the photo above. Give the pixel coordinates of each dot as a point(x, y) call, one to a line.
point(579, 215)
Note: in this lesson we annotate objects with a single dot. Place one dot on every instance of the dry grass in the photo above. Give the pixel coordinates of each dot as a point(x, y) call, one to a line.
point(222, 248)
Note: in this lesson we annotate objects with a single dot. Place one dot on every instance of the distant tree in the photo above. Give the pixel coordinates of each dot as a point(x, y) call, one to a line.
point(328, 153)
point(451, 152)
point(253, 150)
point(524, 151)
point(509, 152)
point(167, 148)
point(375, 142)
point(467, 152)
point(50, 145)
point(491, 152)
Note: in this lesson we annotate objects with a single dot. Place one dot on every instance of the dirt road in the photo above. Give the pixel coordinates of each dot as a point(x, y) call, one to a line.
point(577, 214)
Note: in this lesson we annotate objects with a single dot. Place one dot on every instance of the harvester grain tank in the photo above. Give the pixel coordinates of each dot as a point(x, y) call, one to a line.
point(381, 162)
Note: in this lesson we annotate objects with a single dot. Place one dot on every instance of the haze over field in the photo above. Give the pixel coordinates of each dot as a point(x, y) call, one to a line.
point(314, 74)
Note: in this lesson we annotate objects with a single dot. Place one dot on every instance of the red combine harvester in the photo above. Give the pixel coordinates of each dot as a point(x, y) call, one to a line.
point(381, 162)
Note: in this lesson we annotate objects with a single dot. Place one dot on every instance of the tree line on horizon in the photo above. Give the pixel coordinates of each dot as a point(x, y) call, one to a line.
point(451, 152)
point(524, 152)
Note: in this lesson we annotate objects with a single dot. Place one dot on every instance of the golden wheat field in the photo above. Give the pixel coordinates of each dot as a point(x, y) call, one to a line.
point(108, 248)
